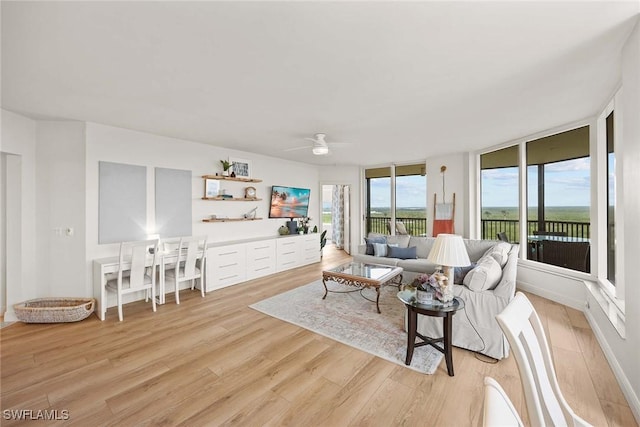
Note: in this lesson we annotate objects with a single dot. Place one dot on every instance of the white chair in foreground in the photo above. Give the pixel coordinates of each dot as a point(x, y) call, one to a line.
point(546, 405)
point(192, 254)
point(137, 278)
point(498, 409)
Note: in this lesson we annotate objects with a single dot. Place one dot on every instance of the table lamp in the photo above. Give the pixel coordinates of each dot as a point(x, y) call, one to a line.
point(449, 251)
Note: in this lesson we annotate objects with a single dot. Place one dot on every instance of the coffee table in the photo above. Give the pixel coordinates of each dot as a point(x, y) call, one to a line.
point(362, 276)
point(435, 309)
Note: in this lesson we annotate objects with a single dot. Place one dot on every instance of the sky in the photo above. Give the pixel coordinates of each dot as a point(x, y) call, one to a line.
point(411, 192)
point(566, 184)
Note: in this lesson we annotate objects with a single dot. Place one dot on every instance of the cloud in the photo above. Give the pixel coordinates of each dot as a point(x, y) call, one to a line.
point(582, 164)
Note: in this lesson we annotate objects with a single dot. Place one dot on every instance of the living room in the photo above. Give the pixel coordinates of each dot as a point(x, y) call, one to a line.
point(52, 147)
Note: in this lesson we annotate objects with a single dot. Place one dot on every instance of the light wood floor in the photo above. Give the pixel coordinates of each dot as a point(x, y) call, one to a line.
point(214, 361)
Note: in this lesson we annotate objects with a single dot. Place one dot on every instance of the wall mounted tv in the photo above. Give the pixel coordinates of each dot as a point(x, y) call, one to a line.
point(289, 202)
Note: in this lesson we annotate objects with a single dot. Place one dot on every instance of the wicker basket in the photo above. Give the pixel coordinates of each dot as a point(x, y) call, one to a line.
point(54, 310)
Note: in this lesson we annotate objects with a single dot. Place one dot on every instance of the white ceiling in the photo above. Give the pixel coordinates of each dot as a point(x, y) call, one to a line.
point(401, 81)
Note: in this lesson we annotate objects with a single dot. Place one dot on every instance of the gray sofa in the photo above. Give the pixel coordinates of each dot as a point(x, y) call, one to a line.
point(475, 327)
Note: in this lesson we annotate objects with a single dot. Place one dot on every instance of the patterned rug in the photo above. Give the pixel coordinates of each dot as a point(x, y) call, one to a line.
point(352, 320)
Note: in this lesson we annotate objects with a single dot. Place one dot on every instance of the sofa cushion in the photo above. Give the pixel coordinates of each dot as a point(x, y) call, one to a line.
point(499, 252)
point(371, 240)
point(484, 276)
point(371, 259)
point(459, 273)
point(401, 253)
point(477, 248)
point(423, 245)
point(401, 241)
point(416, 265)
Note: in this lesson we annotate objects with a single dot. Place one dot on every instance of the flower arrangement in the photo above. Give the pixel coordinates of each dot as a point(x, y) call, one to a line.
point(304, 224)
point(436, 282)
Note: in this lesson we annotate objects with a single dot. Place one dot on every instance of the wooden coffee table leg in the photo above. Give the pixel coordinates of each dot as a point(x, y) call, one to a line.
point(326, 290)
point(412, 325)
point(447, 342)
point(378, 298)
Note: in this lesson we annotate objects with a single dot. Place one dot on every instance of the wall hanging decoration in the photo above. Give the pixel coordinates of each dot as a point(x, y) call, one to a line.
point(443, 213)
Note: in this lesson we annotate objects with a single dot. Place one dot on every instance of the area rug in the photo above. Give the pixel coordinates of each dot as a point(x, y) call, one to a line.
point(352, 320)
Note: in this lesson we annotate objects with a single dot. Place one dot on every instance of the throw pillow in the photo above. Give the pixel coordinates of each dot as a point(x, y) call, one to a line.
point(380, 249)
point(499, 252)
point(459, 273)
point(485, 276)
point(402, 253)
point(371, 240)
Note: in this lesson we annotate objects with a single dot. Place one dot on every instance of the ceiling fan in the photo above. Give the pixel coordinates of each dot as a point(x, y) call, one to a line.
point(320, 147)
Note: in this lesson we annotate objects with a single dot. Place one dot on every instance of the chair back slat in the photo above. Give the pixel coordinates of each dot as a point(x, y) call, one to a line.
point(524, 331)
point(136, 254)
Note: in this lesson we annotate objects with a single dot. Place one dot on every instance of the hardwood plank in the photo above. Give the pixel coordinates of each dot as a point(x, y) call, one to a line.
point(214, 360)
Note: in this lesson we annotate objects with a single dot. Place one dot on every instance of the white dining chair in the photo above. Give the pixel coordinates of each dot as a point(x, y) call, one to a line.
point(498, 411)
point(546, 405)
point(134, 272)
point(192, 254)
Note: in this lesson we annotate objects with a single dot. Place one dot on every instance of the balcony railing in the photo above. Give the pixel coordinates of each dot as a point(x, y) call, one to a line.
point(380, 224)
point(490, 227)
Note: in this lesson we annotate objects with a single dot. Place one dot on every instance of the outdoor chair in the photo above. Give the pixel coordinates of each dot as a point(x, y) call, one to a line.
point(572, 255)
point(502, 236)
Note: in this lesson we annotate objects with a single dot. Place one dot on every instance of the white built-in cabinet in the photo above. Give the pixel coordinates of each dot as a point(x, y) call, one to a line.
point(229, 263)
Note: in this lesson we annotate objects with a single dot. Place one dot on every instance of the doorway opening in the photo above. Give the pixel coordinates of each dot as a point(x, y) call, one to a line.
point(336, 219)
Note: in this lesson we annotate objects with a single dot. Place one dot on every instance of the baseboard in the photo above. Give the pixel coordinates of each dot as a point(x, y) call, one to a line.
point(623, 381)
point(553, 296)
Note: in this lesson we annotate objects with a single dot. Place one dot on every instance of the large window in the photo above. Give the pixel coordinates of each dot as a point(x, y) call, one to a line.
point(499, 194)
point(397, 200)
point(558, 200)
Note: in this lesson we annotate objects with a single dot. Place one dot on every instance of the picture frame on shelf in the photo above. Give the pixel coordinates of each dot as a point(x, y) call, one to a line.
point(241, 167)
point(211, 188)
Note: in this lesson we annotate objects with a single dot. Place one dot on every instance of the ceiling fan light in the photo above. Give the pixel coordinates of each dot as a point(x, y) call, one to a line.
point(320, 150)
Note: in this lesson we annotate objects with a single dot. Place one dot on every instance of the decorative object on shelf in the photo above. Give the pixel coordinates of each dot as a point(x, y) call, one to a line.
point(226, 165)
point(251, 214)
point(304, 224)
point(293, 226)
point(315, 228)
point(241, 167)
point(250, 192)
point(211, 188)
point(449, 251)
point(283, 230)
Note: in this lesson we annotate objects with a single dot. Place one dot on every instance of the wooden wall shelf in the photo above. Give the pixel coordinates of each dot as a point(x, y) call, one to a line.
point(229, 178)
point(232, 199)
point(229, 219)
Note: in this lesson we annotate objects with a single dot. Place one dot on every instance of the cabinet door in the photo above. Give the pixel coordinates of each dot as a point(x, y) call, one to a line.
point(310, 252)
point(261, 258)
point(287, 253)
point(226, 265)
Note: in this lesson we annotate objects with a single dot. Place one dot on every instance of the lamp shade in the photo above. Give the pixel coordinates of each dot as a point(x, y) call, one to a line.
point(449, 250)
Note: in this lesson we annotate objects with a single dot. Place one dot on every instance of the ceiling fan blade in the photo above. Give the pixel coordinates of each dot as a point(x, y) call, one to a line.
point(297, 148)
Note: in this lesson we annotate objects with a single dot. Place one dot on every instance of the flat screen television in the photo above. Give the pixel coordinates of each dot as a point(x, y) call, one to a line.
point(289, 202)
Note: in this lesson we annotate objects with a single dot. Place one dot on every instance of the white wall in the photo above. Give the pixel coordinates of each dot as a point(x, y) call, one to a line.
point(624, 353)
point(60, 209)
point(19, 141)
point(106, 143)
